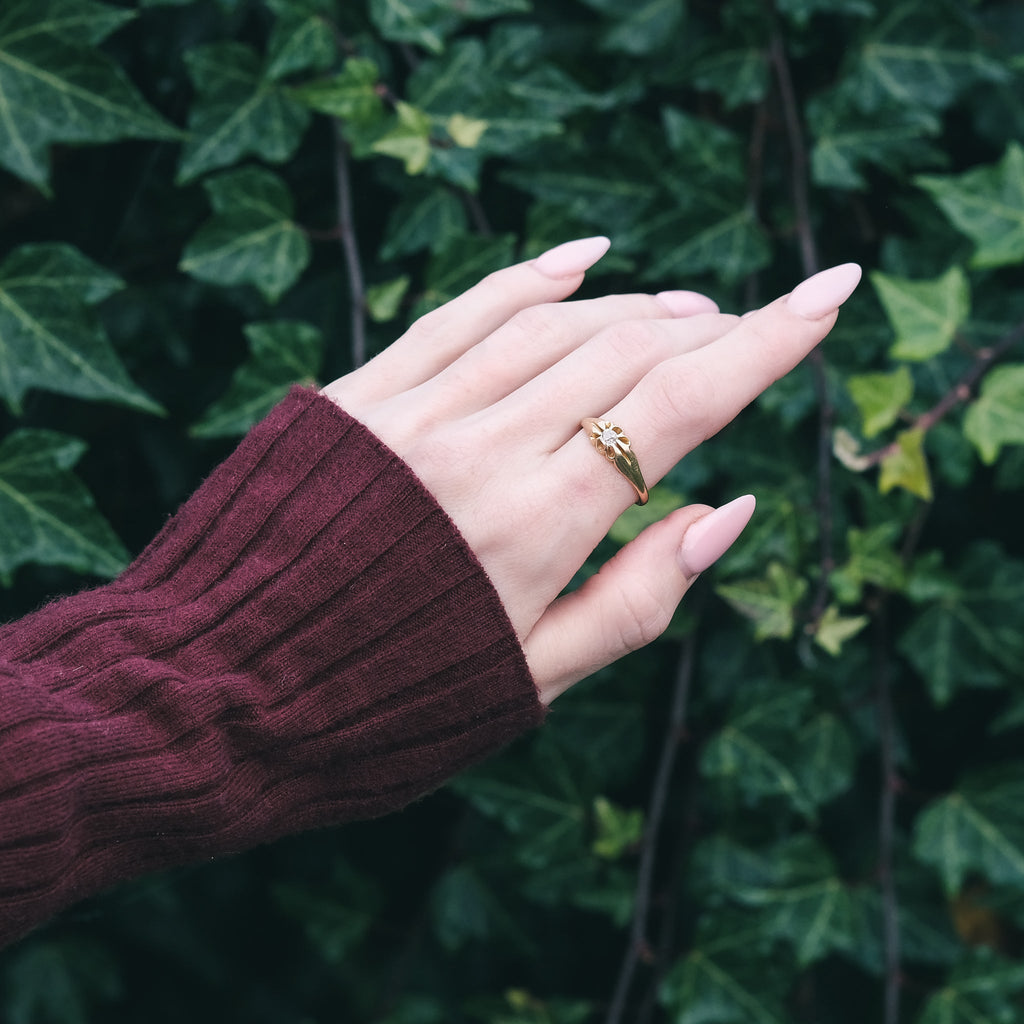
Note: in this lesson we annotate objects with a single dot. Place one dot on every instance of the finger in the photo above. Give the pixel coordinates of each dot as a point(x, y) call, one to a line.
point(441, 336)
point(630, 602)
point(601, 372)
point(683, 401)
point(539, 337)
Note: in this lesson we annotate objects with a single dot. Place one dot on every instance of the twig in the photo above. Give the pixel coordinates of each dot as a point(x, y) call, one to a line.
point(350, 247)
point(961, 391)
point(886, 826)
point(637, 946)
point(810, 265)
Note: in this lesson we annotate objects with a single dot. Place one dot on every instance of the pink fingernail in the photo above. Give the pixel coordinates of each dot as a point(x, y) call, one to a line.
point(709, 538)
point(825, 292)
point(683, 303)
point(571, 258)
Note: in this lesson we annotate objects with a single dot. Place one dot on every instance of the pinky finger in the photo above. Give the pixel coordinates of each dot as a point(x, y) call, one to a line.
point(630, 602)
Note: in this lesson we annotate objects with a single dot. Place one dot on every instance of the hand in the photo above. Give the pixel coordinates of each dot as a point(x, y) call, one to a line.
point(483, 399)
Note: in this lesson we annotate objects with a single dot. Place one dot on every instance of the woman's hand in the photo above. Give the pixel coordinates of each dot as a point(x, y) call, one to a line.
point(483, 399)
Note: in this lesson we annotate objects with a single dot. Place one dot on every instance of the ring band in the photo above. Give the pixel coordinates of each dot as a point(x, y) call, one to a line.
point(613, 444)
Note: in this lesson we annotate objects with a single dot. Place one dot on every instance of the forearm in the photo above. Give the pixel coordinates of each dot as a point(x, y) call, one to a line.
point(309, 640)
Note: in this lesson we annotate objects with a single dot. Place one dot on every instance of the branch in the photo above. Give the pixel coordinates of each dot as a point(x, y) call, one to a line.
point(810, 265)
point(961, 391)
point(886, 826)
point(350, 247)
point(638, 946)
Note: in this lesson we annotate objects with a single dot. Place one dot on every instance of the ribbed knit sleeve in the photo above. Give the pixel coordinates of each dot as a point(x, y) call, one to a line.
point(309, 640)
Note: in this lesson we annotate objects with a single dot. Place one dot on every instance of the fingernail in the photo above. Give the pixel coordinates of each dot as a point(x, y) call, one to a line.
point(571, 258)
point(825, 292)
point(683, 303)
point(709, 538)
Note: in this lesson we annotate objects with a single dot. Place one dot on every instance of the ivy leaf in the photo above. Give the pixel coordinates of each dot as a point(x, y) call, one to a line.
point(775, 747)
point(238, 111)
point(49, 517)
point(49, 335)
point(617, 828)
point(984, 989)
point(978, 828)
point(880, 398)
point(282, 353)
point(739, 76)
point(873, 559)
point(728, 977)
point(57, 87)
point(423, 221)
point(427, 23)
point(834, 629)
point(925, 315)
point(996, 417)
point(251, 237)
point(644, 26)
point(916, 59)
point(769, 601)
point(302, 38)
point(793, 885)
point(350, 95)
point(970, 634)
point(384, 300)
point(408, 139)
point(987, 205)
point(906, 466)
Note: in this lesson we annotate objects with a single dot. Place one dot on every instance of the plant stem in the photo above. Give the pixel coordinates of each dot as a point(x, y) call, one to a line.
point(810, 265)
point(638, 944)
point(350, 247)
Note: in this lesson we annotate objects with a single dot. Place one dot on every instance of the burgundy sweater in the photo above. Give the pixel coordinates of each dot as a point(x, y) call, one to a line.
point(309, 640)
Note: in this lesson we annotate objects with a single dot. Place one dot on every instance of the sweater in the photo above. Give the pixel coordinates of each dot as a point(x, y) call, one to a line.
point(309, 640)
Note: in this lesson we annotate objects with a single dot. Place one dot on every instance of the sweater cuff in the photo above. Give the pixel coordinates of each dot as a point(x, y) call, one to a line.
point(308, 640)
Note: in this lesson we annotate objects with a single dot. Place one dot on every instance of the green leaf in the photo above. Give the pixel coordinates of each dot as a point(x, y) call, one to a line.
point(978, 828)
point(49, 335)
point(426, 23)
point(996, 417)
point(48, 516)
point(793, 885)
point(351, 95)
point(728, 977)
point(738, 76)
point(423, 221)
point(906, 466)
point(637, 518)
point(925, 315)
point(914, 58)
point(238, 111)
point(834, 629)
point(644, 26)
point(971, 631)
point(384, 300)
point(987, 205)
point(873, 559)
point(408, 139)
point(461, 263)
point(251, 237)
point(773, 746)
point(984, 989)
point(302, 38)
point(282, 353)
point(770, 601)
point(57, 87)
point(880, 398)
point(618, 828)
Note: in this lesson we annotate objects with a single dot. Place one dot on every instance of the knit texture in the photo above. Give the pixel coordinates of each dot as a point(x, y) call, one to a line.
point(309, 640)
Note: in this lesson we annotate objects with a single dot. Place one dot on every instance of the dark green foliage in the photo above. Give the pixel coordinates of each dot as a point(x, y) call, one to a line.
point(202, 201)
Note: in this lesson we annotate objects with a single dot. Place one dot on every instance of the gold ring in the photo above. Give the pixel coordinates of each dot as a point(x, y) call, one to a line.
point(613, 444)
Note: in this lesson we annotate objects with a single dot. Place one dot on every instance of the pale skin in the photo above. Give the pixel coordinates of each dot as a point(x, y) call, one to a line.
point(483, 399)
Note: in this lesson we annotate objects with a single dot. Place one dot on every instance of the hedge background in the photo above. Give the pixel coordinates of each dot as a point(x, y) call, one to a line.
point(806, 803)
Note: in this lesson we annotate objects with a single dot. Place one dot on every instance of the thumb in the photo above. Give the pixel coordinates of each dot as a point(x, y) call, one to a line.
point(630, 602)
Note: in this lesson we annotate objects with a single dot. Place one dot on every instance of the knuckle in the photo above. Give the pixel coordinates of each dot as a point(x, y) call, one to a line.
point(631, 342)
point(644, 617)
point(682, 396)
point(540, 324)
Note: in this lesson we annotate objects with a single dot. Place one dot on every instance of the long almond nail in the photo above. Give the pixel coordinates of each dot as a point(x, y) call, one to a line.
point(571, 258)
point(710, 537)
point(825, 292)
point(683, 303)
